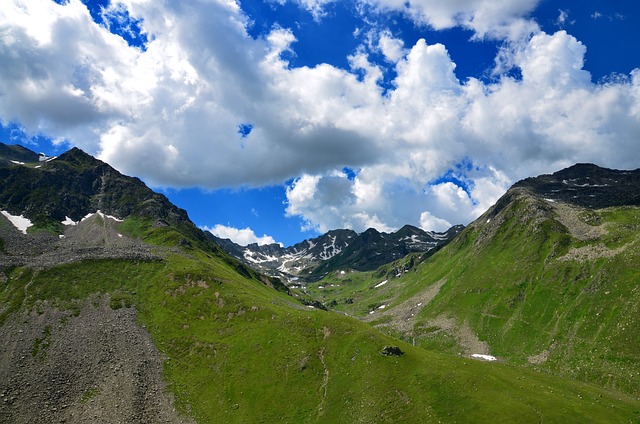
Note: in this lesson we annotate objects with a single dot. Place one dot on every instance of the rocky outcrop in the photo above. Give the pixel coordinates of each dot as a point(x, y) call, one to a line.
point(587, 185)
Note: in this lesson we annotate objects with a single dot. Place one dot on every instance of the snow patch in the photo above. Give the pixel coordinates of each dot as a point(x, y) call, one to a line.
point(329, 251)
point(68, 221)
point(382, 306)
point(102, 215)
point(550, 200)
point(20, 222)
point(17, 162)
point(380, 284)
point(484, 357)
point(257, 258)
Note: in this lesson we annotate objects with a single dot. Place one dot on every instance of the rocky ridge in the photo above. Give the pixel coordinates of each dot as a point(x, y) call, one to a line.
point(310, 259)
point(73, 185)
point(587, 185)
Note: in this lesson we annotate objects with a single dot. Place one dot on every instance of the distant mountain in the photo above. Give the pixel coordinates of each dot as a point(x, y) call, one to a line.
point(16, 154)
point(336, 249)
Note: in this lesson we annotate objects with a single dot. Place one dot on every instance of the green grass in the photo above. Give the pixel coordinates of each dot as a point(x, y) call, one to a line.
point(240, 351)
point(509, 285)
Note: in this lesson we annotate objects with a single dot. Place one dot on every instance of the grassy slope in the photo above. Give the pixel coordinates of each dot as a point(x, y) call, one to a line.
point(505, 280)
point(239, 351)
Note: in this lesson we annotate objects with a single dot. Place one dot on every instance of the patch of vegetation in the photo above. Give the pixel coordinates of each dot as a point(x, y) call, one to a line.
point(515, 287)
point(44, 223)
point(89, 394)
point(41, 344)
point(122, 300)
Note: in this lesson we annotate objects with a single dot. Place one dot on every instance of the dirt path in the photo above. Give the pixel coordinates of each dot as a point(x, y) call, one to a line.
point(325, 383)
point(403, 319)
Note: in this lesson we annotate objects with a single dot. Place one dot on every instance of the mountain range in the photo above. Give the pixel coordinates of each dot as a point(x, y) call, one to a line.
point(311, 259)
point(115, 307)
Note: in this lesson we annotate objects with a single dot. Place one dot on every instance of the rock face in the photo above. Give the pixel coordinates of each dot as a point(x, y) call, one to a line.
point(74, 185)
point(66, 189)
point(99, 366)
point(587, 185)
point(312, 258)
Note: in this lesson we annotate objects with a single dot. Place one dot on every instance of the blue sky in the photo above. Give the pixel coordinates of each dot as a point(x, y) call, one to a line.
point(279, 120)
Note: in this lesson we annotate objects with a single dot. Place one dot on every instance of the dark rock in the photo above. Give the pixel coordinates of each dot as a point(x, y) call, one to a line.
point(587, 185)
point(392, 351)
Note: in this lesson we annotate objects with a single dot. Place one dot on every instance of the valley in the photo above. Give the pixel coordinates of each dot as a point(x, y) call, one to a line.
point(134, 314)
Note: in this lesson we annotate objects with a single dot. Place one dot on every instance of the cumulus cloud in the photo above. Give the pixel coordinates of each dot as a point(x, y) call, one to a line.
point(487, 18)
point(170, 112)
point(243, 237)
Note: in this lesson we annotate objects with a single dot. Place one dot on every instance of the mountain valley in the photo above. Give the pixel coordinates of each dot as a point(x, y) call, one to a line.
point(115, 307)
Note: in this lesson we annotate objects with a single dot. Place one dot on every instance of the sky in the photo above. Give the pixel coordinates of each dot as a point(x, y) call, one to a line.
point(278, 120)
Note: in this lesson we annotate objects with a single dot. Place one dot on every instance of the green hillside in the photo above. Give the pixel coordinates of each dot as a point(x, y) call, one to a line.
point(541, 284)
point(239, 351)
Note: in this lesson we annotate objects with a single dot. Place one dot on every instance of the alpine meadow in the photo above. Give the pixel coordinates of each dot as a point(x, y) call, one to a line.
point(319, 211)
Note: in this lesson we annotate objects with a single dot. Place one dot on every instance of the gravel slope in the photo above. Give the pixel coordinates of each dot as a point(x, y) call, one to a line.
point(97, 367)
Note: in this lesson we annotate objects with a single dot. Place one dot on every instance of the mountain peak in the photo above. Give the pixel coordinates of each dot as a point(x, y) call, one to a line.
point(77, 154)
point(337, 249)
point(74, 185)
point(587, 185)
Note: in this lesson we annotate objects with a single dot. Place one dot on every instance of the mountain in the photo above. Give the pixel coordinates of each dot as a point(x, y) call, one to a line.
point(311, 259)
point(547, 279)
point(16, 154)
point(74, 185)
point(130, 314)
point(588, 186)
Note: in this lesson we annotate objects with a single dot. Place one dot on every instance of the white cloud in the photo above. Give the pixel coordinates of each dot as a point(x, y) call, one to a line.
point(171, 113)
point(563, 18)
point(616, 16)
point(429, 222)
point(487, 18)
point(392, 48)
point(243, 237)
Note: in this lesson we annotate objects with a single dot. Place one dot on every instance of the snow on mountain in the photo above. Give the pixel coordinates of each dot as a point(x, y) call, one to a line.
point(20, 222)
point(336, 249)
